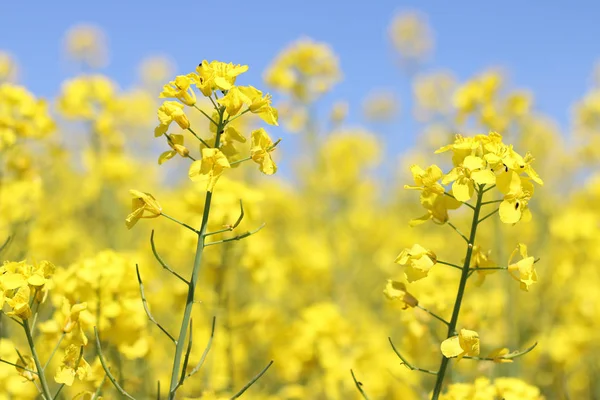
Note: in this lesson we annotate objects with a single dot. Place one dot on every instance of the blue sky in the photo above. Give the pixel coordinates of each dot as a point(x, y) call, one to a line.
point(545, 46)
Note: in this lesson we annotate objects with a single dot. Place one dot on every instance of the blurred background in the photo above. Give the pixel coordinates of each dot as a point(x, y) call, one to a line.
point(363, 91)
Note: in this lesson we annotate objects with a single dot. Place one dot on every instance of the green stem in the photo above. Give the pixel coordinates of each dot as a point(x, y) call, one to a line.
point(179, 350)
point(38, 365)
point(459, 295)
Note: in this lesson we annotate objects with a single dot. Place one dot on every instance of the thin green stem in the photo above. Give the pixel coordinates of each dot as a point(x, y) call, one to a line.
point(485, 203)
point(54, 350)
point(38, 365)
point(433, 314)
point(465, 203)
point(451, 225)
point(205, 114)
point(161, 262)
point(179, 350)
point(239, 115)
point(206, 350)
point(359, 386)
point(99, 389)
point(449, 264)
point(18, 366)
point(252, 381)
point(406, 363)
point(112, 379)
point(238, 237)
point(269, 149)
point(6, 242)
point(199, 138)
point(459, 295)
point(490, 188)
point(179, 222)
point(489, 215)
point(146, 308)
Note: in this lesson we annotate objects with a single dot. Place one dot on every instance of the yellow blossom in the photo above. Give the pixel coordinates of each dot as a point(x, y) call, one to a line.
point(524, 269)
point(168, 112)
point(465, 344)
point(397, 291)
point(210, 168)
point(417, 260)
point(73, 365)
point(143, 205)
point(176, 143)
point(180, 89)
point(261, 148)
point(472, 172)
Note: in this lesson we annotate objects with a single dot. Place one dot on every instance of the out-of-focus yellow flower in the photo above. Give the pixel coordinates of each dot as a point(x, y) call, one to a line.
point(143, 205)
point(176, 143)
point(210, 168)
point(525, 267)
point(87, 44)
point(156, 69)
point(397, 291)
point(380, 106)
point(411, 36)
point(73, 365)
point(170, 111)
point(26, 362)
point(261, 148)
point(339, 112)
point(417, 260)
point(465, 344)
point(305, 70)
point(8, 68)
point(72, 321)
point(180, 89)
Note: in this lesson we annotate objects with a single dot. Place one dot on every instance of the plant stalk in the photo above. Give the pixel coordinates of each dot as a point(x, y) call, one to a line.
point(38, 365)
point(459, 295)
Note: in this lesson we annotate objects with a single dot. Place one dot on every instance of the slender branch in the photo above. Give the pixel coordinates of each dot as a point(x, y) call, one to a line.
point(186, 358)
point(257, 377)
point(457, 231)
point(206, 350)
point(485, 203)
point(465, 203)
point(199, 138)
point(230, 227)
point(195, 275)
point(269, 149)
point(106, 369)
point(460, 293)
point(18, 366)
point(38, 365)
point(406, 363)
point(433, 314)
point(147, 309)
point(489, 215)
point(161, 262)
point(158, 390)
point(237, 116)
point(99, 389)
point(238, 237)
point(54, 350)
point(179, 222)
point(359, 386)
point(449, 264)
point(205, 114)
point(510, 356)
point(6, 242)
point(490, 188)
point(60, 388)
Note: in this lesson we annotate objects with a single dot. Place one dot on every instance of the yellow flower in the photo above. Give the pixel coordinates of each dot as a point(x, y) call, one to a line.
point(260, 105)
point(73, 365)
point(525, 267)
point(72, 320)
point(465, 344)
point(437, 206)
point(180, 89)
point(168, 112)
point(397, 291)
point(482, 261)
point(143, 205)
point(233, 101)
point(426, 179)
point(20, 303)
point(472, 172)
point(176, 143)
point(499, 354)
point(517, 192)
point(417, 260)
point(26, 362)
point(210, 168)
point(261, 148)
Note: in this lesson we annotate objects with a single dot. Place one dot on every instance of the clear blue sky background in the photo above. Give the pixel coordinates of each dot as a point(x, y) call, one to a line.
point(545, 46)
